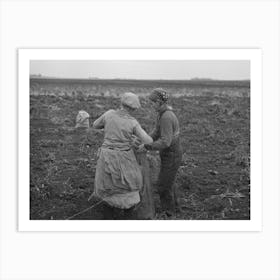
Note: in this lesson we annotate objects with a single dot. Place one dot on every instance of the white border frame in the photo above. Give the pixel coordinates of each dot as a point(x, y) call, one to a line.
point(254, 55)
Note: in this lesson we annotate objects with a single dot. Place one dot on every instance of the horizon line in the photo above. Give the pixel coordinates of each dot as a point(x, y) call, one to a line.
point(38, 76)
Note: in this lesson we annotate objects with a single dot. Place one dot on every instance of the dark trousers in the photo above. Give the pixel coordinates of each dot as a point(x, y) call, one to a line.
point(170, 163)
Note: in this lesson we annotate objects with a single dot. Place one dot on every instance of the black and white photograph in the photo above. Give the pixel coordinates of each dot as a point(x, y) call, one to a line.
point(140, 139)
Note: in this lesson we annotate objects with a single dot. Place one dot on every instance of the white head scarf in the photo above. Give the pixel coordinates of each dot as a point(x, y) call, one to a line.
point(131, 100)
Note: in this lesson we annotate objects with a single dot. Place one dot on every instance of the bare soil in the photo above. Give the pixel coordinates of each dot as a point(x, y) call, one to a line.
point(213, 181)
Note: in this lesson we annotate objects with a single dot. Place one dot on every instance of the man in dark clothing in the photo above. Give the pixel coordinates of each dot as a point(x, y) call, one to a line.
point(167, 142)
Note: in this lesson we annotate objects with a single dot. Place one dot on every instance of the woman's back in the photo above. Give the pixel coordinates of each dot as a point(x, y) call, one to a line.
point(119, 127)
point(118, 177)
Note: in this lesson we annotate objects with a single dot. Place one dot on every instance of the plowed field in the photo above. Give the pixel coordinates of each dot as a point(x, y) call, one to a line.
point(213, 181)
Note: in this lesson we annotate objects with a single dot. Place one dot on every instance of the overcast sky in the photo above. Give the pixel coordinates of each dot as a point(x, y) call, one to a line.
point(141, 69)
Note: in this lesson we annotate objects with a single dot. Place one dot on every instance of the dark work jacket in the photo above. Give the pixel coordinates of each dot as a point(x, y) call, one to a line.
point(166, 133)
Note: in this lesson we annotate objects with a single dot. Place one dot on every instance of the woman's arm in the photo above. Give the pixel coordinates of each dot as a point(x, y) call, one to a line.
point(100, 122)
point(141, 133)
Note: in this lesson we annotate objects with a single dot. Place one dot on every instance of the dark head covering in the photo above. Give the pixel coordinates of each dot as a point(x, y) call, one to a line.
point(159, 94)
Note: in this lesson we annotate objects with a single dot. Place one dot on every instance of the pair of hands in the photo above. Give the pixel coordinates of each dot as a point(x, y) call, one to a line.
point(137, 144)
point(141, 148)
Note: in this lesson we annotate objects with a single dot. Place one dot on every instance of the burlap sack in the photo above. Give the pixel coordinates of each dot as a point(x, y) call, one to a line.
point(82, 119)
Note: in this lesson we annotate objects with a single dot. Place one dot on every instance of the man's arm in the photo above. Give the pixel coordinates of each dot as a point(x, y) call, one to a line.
point(155, 133)
point(166, 133)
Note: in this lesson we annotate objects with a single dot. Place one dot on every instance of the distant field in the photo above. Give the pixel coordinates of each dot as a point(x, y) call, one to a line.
point(214, 178)
point(115, 87)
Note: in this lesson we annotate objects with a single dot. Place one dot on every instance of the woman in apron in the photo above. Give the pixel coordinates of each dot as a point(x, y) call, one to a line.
point(118, 178)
